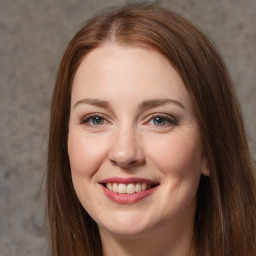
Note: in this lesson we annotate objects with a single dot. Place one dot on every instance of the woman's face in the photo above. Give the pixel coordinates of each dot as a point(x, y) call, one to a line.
point(134, 147)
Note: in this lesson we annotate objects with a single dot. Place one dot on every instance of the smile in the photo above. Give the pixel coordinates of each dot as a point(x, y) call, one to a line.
point(128, 190)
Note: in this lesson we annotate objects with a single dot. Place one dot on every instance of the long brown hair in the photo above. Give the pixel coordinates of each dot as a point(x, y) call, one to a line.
point(225, 219)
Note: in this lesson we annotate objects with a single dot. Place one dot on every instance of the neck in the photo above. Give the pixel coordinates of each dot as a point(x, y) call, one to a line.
point(168, 242)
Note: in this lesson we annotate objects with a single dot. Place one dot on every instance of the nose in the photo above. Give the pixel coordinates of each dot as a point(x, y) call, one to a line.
point(126, 150)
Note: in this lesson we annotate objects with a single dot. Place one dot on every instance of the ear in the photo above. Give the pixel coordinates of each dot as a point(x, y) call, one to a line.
point(204, 166)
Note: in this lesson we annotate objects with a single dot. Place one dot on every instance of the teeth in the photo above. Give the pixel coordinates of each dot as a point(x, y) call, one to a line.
point(130, 189)
point(143, 186)
point(127, 188)
point(115, 187)
point(138, 187)
point(122, 189)
point(109, 186)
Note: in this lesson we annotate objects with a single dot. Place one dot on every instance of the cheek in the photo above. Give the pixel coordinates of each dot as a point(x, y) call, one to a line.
point(85, 153)
point(177, 155)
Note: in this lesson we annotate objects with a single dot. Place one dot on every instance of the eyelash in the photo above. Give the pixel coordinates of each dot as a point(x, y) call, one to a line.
point(171, 120)
point(87, 118)
point(166, 118)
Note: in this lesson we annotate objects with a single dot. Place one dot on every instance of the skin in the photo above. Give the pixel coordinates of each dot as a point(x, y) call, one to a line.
point(128, 141)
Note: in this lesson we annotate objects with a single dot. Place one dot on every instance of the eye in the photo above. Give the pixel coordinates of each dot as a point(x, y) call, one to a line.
point(162, 120)
point(159, 121)
point(97, 120)
point(94, 120)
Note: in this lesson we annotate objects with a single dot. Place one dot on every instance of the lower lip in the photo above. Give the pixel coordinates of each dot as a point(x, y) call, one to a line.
point(127, 198)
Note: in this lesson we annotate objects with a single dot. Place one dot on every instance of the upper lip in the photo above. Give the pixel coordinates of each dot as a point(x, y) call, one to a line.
point(127, 180)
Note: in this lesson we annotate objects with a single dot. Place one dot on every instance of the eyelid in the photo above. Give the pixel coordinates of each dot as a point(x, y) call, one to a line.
point(86, 118)
point(168, 117)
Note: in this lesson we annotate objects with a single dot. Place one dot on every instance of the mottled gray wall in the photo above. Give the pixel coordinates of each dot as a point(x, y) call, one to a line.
point(33, 35)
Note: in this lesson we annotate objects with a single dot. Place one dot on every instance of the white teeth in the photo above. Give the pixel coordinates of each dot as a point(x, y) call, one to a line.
point(109, 186)
point(127, 188)
point(138, 188)
point(115, 187)
point(144, 186)
point(122, 189)
point(130, 189)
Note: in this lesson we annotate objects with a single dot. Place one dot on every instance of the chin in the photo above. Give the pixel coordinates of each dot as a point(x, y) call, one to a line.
point(130, 225)
point(125, 231)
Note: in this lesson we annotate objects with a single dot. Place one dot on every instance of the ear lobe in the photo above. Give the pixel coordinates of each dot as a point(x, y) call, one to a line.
point(205, 167)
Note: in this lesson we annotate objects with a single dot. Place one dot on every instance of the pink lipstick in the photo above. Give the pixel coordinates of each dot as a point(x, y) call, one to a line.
point(128, 190)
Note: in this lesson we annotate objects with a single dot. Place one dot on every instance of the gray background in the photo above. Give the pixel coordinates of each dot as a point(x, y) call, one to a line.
point(33, 35)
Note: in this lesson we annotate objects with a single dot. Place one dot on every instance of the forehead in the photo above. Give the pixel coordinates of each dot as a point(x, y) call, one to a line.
point(131, 71)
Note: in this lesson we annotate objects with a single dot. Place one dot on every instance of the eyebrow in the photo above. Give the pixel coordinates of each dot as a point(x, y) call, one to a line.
point(147, 104)
point(93, 102)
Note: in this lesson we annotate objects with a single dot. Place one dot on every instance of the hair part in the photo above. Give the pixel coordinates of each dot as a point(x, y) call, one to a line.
point(225, 219)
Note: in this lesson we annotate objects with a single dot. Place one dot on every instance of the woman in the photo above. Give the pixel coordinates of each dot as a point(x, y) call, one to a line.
point(147, 148)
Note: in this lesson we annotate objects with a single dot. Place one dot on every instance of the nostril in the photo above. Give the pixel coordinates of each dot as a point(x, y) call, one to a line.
point(122, 163)
point(113, 162)
point(132, 163)
point(126, 164)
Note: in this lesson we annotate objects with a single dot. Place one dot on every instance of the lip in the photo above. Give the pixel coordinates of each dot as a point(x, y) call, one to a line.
point(127, 180)
point(127, 198)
